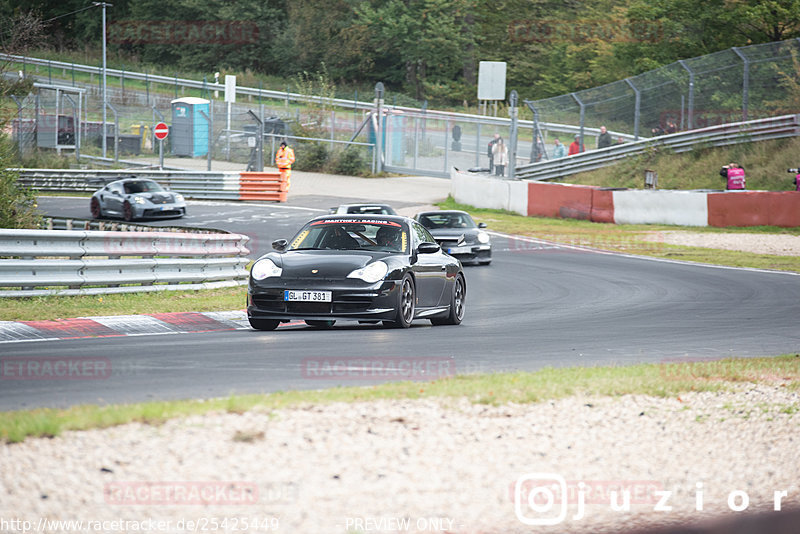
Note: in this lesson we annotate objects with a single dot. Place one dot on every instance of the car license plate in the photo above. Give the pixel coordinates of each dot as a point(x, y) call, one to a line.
point(296, 295)
point(459, 250)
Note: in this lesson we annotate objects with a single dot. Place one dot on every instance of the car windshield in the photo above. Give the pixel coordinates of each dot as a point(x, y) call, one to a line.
point(374, 210)
point(349, 234)
point(434, 221)
point(142, 186)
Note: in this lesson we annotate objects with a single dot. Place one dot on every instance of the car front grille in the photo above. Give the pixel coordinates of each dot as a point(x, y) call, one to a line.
point(161, 199)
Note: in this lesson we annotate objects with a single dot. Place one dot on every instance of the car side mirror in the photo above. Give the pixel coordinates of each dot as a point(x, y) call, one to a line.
point(428, 248)
point(482, 225)
point(280, 244)
point(115, 193)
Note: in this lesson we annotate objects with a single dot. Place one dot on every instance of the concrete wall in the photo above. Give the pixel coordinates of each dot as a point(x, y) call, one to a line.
point(684, 208)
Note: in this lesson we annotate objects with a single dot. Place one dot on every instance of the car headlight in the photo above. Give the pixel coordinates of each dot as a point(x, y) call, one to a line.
point(139, 200)
point(265, 268)
point(371, 273)
point(483, 237)
point(178, 197)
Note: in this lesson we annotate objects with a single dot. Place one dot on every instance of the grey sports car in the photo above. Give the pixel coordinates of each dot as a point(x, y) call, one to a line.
point(136, 198)
point(458, 235)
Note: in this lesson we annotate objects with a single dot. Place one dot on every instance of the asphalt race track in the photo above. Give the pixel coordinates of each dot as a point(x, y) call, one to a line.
point(537, 305)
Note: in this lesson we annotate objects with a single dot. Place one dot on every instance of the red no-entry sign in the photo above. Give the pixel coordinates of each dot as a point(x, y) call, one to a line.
point(161, 131)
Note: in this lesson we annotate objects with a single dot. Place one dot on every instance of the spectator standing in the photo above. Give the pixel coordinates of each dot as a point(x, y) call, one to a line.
point(283, 160)
point(604, 139)
point(575, 147)
point(734, 175)
point(500, 157)
point(559, 150)
point(490, 152)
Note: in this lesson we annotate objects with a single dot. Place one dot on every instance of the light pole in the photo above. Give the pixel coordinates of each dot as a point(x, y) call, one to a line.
point(105, 133)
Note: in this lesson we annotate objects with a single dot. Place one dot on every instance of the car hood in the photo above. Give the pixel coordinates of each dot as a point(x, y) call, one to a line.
point(327, 263)
point(159, 195)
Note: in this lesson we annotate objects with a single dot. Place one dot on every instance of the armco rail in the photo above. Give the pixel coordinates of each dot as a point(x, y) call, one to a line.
point(193, 184)
point(47, 262)
point(72, 223)
point(725, 134)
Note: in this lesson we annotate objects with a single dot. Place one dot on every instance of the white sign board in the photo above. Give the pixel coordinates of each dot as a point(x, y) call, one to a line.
point(230, 88)
point(492, 80)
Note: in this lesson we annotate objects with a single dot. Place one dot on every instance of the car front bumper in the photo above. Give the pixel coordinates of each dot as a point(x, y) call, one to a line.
point(350, 300)
point(470, 253)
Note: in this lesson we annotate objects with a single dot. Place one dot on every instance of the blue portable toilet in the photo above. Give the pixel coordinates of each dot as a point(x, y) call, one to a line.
point(189, 130)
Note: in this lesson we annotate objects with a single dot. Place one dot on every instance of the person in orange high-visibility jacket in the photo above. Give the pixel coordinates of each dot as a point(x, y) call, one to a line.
point(283, 160)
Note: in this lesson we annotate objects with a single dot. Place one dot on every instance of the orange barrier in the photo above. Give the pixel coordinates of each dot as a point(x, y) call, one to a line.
point(263, 186)
point(757, 208)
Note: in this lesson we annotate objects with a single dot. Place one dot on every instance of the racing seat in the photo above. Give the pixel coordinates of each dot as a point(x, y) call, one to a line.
point(339, 239)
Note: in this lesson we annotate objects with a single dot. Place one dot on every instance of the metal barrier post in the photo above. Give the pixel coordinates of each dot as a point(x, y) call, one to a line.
point(582, 108)
point(210, 128)
point(745, 82)
point(690, 118)
point(512, 141)
point(636, 108)
point(379, 128)
point(259, 167)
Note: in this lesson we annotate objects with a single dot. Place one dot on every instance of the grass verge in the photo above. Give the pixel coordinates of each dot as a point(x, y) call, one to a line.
point(60, 307)
point(660, 380)
point(631, 239)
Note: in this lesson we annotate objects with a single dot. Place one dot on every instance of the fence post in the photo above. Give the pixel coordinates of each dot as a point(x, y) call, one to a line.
point(745, 82)
point(379, 128)
point(513, 101)
point(690, 114)
point(259, 166)
point(582, 108)
point(636, 108)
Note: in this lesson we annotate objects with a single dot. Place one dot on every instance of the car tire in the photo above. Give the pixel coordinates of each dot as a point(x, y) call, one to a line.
point(320, 323)
point(263, 324)
point(95, 209)
point(127, 211)
point(487, 262)
point(457, 302)
point(406, 298)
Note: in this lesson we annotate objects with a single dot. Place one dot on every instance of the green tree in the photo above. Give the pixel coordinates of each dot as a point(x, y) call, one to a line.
point(426, 37)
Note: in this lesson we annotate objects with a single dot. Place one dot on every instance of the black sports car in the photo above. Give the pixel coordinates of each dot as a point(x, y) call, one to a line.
point(369, 268)
point(458, 235)
point(136, 198)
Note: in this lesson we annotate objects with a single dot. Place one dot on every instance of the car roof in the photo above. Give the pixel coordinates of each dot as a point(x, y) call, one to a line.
point(442, 212)
point(131, 179)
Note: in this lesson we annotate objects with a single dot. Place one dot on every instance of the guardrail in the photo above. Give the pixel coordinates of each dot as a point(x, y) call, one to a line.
point(713, 136)
point(73, 223)
point(63, 262)
point(231, 185)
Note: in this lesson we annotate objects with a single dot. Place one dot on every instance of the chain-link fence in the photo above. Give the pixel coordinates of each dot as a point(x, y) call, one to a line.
point(339, 135)
point(733, 85)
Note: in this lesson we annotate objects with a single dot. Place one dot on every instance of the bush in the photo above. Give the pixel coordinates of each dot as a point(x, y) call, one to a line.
point(350, 163)
point(311, 157)
point(17, 204)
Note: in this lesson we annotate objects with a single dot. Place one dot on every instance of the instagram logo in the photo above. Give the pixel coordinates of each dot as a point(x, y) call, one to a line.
point(535, 497)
